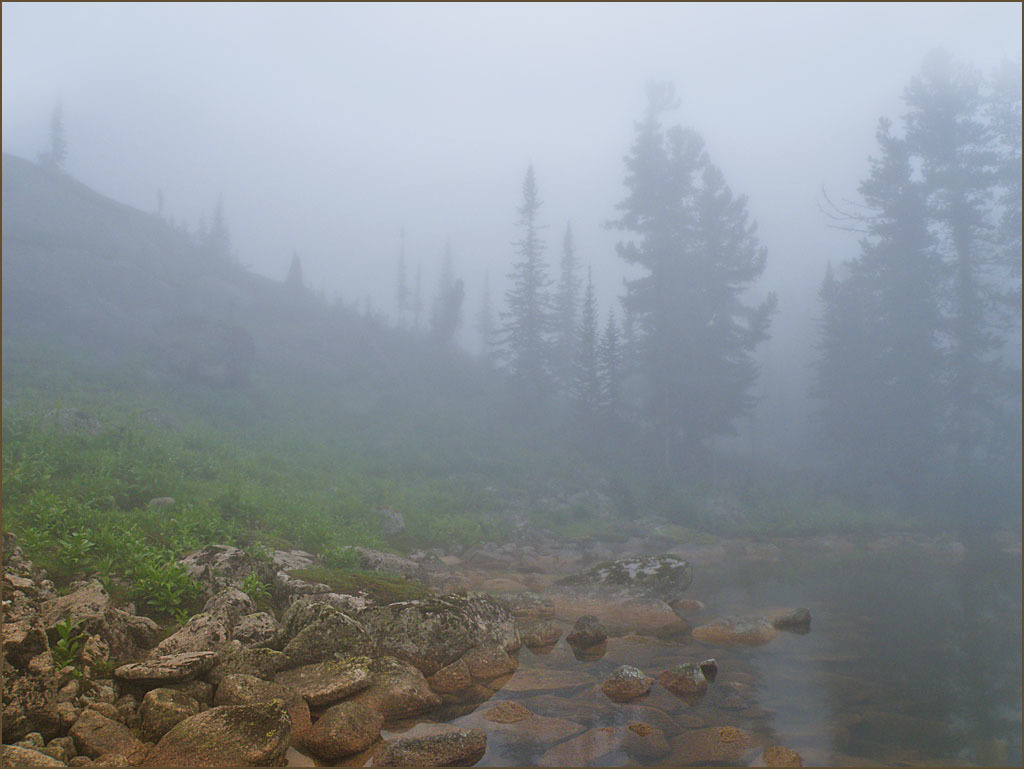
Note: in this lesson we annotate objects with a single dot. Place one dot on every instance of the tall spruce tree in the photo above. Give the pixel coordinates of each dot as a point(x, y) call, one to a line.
point(609, 364)
point(446, 315)
point(485, 321)
point(566, 312)
point(525, 333)
point(586, 390)
point(692, 237)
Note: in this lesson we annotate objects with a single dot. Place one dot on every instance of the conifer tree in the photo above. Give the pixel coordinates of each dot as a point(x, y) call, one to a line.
point(586, 391)
point(610, 370)
point(565, 313)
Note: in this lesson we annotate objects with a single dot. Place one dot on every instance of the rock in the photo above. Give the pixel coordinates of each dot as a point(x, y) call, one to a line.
point(90, 608)
point(687, 605)
point(239, 689)
point(685, 680)
point(543, 680)
point(797, 620)
point(169, 669)
point(80, 761)
point(736, 631)
point(201, 633)
point(95, 735)
point(589, 712)
point(777, 755)
point(665, 577)
point(451, 747)
point(352, 605)
point(160, 502)
point(541, 634)
point(65, 746)
point(323, 683)
point(105, 709)
point(503, 585)
point(127, 706)
point(292, 559)
point(228, 606)
point(235, 658)
point(331, 634)
point(30, 700)
point(231, 735)
point(451, 678)
point(200, 691)
point(23, 640)
point(645, 742)
point(713, 745)
point(587, 631)
point(257, 629)
point(216, 567)
point(163, 708)
point(514, 723)
point(111, 759)
point(434, 632)
point(391, 521)
point(626, 683)
point(343, 729)
point(32, 741)
point(397, 690)
point(709, 668)
point(286, 584)
point(12, 755)
point(377, 560)
point(586, 749)
point(487, 663)
point(73, 421)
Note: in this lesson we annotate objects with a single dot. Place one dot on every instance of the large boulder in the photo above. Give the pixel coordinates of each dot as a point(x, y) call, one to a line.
point(343, 729)
point(626, 683)
point(230, 735)
point(216, 567)
point(95, 735)
point(723, 745)
point(30, 702)
point(541, 635)
point(686, 680)
point(665, 577)
point(397, 690)
point(12, 755)
point(228, 606)
point(331, 634)
point(173, 668)
point(588, 630)
point(201, 633)
point(234, 658)
point(434, 632)
point(447, 747)
point(323, 683)
point(89, 607)
point(162, 709)
point(257, 629)
point(736, 631)
point(23, 640)
point(377, 560)
point(239, 689)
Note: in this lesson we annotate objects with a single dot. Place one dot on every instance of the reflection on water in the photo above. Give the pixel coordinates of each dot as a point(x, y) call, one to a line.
point(912, 658)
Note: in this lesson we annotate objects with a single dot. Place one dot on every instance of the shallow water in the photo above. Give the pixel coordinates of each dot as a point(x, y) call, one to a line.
point(913, 657)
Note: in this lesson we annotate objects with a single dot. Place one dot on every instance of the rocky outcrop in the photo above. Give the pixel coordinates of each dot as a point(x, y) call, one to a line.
point(397, 690)
point(231, 735)
point(665, 577)
point(216, 567)
point(343, 729)
point(71, 420)
point(434, 632)
point(328, 635)
point(201, 633)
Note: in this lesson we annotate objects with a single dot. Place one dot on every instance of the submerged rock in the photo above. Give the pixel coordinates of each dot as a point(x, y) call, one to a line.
point(777, 755)
point(685, 680)
point(588, 631)
point(541, 634)
point(714, 745)
point(797, 620)
point(736, 631)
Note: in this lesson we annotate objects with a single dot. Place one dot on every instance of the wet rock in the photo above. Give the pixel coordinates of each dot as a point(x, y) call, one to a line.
point(451, 678)
point(228, 606)
point(434, 632)
point(709, 668)
point(216, 567)
point(327, 682)
point(201, 633)
point(257, 629)
point(253, 661)
point(714, 745)
point(777, 755)
point(590, 653)
point(487, 663)
point(169, 669)
point(685, 680)
point(331, 634)
point(587, 631)
point(736, 631)
point(239, 689)
point(665, 577)
point(797, 620)
point(451, 747)
point(163, 708)
point(625, 616)
point(626, 683)
point(541, 634)
point(11, 755)
point(95, 735)
point(343, 729)
point(507, 713)
point(514, 723)
point(588, 713)
point(397, 690)
point(231, 735)
point(542, 680)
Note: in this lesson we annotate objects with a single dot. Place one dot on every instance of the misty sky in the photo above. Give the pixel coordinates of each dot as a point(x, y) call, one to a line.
point(326, 128)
